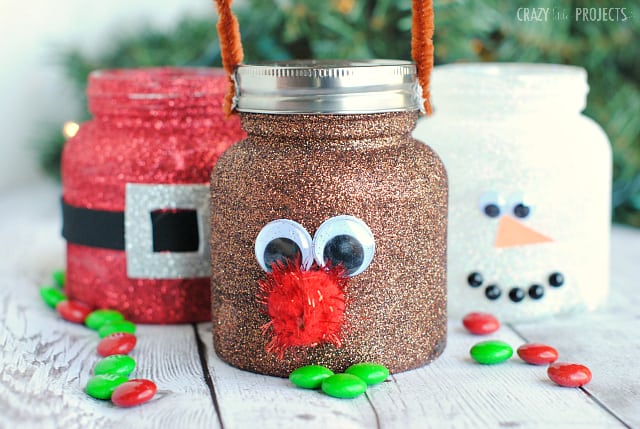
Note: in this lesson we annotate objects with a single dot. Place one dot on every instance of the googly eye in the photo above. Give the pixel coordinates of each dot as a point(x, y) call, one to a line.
point(282, 240)
point(521, 205)
point(344, 240)
point(492, 204)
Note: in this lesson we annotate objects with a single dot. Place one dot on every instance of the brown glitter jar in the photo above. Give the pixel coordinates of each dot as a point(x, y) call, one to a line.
point(328, 155)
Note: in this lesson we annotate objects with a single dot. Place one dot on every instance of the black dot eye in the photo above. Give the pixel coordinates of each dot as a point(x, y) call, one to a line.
point(493, 292)
point(475, 279)
point(282, 240)
point(516, 294)
point(536, 291)
point(344, 240)
point(522, 211)
point(492, 210)
point(556, 279)
point(492, 204)
point(520, 204)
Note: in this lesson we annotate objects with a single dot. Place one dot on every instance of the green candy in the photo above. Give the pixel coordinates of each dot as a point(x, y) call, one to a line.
point(369, 372)
point(310, 376)
point(52, 296)
point(113, 327)
point(96, 319)
point(60, 277)
point(490, 352)
point(115, 364)
point(344, 386)
point(102, 386)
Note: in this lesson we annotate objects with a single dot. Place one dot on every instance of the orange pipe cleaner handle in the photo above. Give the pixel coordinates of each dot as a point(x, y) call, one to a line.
point(230, 48)
point(421, 46)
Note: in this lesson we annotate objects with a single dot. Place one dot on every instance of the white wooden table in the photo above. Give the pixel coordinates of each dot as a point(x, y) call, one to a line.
point(45, 361)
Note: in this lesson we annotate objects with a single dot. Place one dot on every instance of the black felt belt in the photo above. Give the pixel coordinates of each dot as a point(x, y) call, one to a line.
point(173, 230)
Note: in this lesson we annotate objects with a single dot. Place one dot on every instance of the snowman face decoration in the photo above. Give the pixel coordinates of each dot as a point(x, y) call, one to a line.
point(530, 189)
point(509, 217)
point(523, 243)
point(528, 216)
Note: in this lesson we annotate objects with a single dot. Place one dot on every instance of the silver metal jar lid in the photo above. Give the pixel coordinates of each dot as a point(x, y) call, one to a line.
point(327, 86)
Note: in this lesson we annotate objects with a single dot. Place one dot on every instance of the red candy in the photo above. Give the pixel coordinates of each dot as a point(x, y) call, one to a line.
point(133, 392)
point(119, 343)
point(73, 311)
point(569, 374)
point(537, 354)
point(480, 323)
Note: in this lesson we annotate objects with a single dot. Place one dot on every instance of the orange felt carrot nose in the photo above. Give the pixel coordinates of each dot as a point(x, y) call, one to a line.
point(511, 232)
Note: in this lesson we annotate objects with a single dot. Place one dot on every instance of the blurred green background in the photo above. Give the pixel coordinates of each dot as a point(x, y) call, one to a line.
point(466, 30)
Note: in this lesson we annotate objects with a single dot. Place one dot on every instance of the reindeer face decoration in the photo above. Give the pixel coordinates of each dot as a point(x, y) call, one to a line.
point(328, 236)
point(304, 292)
point(368, 285)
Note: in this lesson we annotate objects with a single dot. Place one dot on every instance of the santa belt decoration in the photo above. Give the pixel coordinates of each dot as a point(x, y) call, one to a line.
point(164, 230)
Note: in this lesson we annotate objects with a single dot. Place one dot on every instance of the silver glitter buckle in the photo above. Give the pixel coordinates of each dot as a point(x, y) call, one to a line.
point(141, 200)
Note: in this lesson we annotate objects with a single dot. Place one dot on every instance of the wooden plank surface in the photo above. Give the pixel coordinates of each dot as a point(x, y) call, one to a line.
point(45, 362)
point(607, 341)
point(451, 392)
point(247, 398)
point(456, 392)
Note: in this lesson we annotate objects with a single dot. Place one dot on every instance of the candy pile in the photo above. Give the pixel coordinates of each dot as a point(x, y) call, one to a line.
point(111, 374)
point(496, 351)
point(353, 382)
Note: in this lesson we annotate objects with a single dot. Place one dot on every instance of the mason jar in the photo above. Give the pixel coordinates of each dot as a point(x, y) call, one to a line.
point(328, 222)
point(530, 179)
point(136, 196)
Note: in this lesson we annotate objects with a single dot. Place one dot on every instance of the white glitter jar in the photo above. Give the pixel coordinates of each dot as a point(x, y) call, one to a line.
point(530, 184)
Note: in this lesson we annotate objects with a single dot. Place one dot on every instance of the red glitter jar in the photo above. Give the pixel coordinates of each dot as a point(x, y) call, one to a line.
point(135, 192)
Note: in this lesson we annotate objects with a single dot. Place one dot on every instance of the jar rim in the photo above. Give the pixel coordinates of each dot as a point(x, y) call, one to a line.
point(514, 70)
point(504, 85)
point(152, 83)
point(327, 86)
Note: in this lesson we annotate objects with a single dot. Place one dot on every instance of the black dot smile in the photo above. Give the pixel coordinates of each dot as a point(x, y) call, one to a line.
point(516, 294)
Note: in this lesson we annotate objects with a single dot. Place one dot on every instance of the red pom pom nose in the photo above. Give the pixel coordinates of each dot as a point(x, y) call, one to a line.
point(306, 308)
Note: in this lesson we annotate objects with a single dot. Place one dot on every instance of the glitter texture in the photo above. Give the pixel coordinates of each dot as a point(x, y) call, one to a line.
point(155, 126)
point(512, 133)
point(309, 168)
